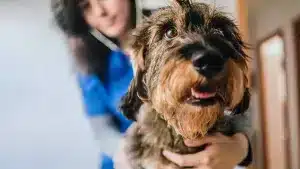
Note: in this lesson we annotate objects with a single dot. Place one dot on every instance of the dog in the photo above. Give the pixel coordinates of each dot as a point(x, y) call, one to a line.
point(190, 80)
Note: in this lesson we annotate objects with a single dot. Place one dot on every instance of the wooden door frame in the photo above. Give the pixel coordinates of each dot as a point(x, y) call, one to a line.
point(262, 95)
point(296, 29)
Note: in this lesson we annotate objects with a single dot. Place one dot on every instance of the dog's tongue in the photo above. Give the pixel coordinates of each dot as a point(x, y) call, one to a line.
point(202, 95)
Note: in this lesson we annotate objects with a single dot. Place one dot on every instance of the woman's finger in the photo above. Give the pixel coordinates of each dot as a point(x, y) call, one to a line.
point(188, 160)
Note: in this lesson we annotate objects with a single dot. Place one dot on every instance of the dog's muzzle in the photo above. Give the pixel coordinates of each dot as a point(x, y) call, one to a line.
point(208, 62)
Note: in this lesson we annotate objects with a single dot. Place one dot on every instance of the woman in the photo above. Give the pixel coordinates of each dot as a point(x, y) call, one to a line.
point(96, 30)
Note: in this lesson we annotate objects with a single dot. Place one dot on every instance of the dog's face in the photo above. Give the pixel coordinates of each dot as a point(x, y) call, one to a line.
point(190, 66)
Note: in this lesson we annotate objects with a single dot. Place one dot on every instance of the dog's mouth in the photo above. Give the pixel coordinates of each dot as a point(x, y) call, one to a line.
point(202, 95)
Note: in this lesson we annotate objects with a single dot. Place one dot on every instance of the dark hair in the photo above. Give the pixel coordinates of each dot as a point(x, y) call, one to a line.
point(68, 16)
point(90, 53)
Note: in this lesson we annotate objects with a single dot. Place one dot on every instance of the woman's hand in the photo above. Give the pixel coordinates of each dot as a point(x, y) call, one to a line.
point(221, 152)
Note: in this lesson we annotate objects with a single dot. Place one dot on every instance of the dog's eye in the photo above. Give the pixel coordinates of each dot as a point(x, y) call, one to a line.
point(171, 33)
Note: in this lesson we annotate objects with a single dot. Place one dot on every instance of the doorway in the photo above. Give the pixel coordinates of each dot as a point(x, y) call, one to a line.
point(273, 99)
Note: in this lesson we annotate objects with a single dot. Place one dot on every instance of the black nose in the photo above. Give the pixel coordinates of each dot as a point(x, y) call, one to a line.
point(208, 62)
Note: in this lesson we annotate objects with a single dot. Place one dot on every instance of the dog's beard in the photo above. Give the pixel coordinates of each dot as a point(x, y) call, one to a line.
point(192, 121)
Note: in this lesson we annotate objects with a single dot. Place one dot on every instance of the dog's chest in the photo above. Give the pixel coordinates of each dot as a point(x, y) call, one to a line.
point(151, 135)
point(153, 131)
point(148, 138)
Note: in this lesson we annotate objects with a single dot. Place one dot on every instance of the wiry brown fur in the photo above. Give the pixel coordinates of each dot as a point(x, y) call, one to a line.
point(173, 86)
point(164, 78)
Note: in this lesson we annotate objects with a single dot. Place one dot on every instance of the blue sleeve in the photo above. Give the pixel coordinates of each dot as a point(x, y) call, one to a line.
point(94, 95)
point(104, 98)
point(106, 162)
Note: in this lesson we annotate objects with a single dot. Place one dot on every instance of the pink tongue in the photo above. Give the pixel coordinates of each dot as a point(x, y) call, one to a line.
point(202, 95)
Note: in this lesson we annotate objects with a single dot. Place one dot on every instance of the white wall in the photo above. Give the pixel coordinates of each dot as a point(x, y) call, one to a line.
point(42, 125)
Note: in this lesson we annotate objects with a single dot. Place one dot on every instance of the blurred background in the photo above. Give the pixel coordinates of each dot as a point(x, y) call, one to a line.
point(42, 123)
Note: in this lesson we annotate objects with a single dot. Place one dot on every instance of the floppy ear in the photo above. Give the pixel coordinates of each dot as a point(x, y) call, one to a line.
point(132, 101)
point(244, 104)
point(137, 46)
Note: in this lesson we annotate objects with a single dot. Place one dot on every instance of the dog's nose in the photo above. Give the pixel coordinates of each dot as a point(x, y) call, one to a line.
point(208, 62)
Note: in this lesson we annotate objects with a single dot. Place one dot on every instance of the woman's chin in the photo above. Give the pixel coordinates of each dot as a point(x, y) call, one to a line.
point(114, 32)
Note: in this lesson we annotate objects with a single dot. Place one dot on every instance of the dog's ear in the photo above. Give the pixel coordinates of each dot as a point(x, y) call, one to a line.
point(244, 104)
point(132, 101)
point(137, 59)
point(137, 44)
point(136, 94)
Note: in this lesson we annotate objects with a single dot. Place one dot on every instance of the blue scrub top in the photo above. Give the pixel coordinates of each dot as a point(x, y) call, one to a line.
point(103, 98)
